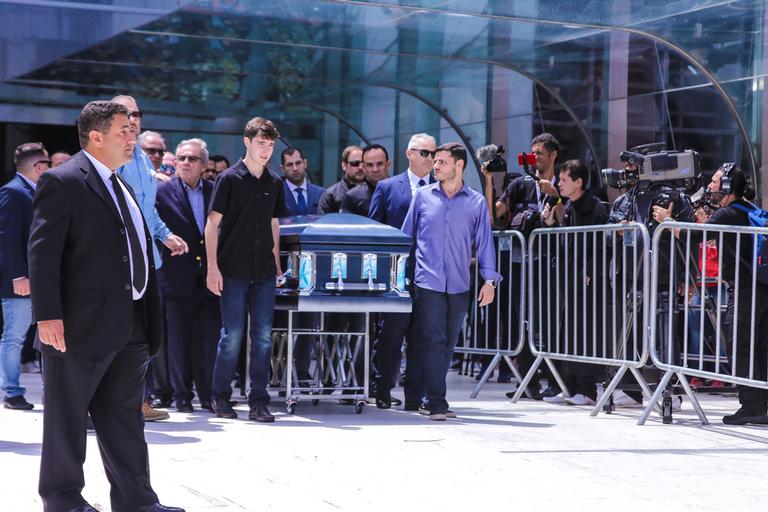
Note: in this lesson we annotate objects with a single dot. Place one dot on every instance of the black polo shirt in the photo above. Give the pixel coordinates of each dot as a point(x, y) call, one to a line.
point(248, 205)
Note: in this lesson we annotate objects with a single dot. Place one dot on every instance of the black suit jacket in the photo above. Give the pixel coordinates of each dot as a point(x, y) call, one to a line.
point(179, 274)
point(78, 264)
point(358, 199)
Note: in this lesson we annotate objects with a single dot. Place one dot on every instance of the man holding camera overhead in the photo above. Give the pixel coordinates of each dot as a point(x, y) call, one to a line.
point(525, 203)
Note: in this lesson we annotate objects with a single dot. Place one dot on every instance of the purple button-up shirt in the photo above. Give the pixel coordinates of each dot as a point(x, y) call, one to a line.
point(445, 231)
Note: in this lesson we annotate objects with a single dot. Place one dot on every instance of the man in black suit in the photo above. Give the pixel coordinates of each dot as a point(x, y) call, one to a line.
point(376, 163)
point(192, 313)
point(97, 309)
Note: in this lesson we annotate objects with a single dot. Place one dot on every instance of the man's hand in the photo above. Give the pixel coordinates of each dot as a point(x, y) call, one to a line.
point(701, 215)
point(214, 281)
point(547, 216)
point(51, 332)
point(486, 173)
point(21, 286)
point(486, 295)
point(548, 188)
point(176, 244)
point(160, 177)
point(661, 214)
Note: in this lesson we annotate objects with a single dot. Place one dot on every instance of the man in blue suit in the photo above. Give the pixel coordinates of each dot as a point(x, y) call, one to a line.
point(389, 205)
point(301, 196)
point(192, 313)
point(31, 161)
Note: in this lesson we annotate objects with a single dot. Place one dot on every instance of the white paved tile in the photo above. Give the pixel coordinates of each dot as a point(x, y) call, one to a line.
point(497, 455)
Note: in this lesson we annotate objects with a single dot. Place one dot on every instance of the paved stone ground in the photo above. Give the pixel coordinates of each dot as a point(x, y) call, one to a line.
point(495, 456)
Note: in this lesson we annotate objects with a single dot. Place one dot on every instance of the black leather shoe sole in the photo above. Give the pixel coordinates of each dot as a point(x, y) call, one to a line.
point(760, 419)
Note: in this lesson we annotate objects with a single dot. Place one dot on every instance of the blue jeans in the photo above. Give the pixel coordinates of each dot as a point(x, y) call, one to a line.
point(239, 298)
point(17, 317)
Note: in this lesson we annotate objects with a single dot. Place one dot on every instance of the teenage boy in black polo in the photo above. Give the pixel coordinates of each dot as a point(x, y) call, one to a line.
point(242, 239)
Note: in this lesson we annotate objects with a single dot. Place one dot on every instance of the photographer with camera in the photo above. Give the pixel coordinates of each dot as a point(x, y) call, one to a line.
point(729, 194)
point(649, 175)
point(525, 203)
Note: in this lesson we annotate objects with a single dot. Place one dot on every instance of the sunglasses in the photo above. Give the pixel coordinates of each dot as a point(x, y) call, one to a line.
point(424, 153)
point(189, 158)
point(354, 163)
point(46, 162)
point(136, 113)
point(154, 151)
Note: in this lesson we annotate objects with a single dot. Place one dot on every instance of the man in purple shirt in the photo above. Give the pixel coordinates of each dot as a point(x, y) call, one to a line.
point(447, 219)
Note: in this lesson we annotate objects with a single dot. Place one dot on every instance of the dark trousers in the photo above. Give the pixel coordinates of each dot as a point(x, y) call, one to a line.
point(437, 319)
point(754, 400)
point(158, 375)
point(111, 388)
point(193, 324)
point(387, 350)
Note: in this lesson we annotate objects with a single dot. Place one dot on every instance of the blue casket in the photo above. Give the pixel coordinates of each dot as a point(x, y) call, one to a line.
point(343, 263)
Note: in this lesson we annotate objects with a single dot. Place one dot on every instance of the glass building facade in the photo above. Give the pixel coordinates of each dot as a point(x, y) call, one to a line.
point(602, 75)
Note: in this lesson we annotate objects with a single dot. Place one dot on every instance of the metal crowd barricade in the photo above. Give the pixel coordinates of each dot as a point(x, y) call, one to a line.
point(716, 354)
point(497, 330)
point(586, 290)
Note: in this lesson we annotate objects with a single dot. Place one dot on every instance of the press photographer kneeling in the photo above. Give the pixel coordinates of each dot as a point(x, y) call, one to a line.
point(729, 194)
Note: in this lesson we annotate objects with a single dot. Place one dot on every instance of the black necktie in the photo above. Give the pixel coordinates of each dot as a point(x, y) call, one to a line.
point(421, 183)
point(139, 272)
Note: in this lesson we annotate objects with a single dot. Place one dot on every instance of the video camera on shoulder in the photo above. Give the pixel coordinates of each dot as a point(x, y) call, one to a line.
point(652, 162)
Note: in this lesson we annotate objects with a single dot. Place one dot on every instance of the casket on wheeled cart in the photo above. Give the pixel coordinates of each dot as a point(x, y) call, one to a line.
point(340, 264)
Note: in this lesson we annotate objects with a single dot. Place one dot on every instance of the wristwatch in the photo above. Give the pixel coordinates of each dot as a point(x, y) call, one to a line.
point(491, 282)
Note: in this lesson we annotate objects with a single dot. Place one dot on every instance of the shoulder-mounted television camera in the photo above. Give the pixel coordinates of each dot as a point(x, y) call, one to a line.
point(653, 162)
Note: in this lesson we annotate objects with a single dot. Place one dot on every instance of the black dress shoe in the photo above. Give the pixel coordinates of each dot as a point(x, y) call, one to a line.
point(395, 401)
point(184, 405)
point(162, 403)
point(83, 508)
point(206, 404)
point(746, 417)
point(549, 392)
point(224, 409)
point(160, 508)
point(384, 401)
point(261, 413)
point(17, 403)
point(534, 394)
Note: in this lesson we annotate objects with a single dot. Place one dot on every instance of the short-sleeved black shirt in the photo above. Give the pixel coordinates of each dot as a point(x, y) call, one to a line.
point(248, 205)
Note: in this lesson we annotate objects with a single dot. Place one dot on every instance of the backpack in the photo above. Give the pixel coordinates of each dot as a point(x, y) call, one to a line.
point(759, 219)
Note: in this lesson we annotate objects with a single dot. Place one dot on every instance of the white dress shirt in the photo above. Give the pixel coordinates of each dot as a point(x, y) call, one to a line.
point(414, 181)
point(138, 221)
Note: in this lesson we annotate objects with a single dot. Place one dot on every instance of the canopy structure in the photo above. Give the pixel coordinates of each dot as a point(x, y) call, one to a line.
point(601, 75)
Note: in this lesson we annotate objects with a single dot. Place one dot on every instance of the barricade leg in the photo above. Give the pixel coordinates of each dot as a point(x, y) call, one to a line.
point(523, 386)
point(647, 394)
point(558, 378)
point(609, 390)
point(485, 376)
point(694, 401)
point(516, 373)
point(656, 396)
